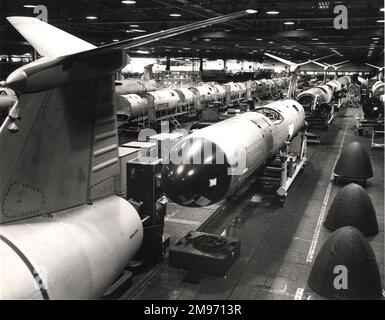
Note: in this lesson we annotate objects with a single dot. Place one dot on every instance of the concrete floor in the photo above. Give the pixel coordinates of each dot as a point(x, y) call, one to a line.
point(279, 245)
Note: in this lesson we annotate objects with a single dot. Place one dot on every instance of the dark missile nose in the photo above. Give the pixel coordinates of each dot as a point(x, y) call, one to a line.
point(196, 173)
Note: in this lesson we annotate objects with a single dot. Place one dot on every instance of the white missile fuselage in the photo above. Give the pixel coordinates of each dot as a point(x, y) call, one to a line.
point(323, 95)
point(133, 106)
point(254, 135)
point(241, 145)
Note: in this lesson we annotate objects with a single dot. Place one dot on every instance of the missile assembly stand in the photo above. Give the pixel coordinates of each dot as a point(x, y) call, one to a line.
point(368, 126)
point(318, 119)
point(283, 170)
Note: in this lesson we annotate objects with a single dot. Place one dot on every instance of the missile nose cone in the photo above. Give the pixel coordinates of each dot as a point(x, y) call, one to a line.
point(17, 80)
point(196, 174)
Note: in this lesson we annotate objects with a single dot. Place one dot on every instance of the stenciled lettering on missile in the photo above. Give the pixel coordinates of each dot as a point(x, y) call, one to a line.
point(341, 280)
point(341, 20)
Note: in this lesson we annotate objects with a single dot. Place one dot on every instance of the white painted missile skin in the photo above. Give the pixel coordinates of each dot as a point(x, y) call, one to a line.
point(324, 92)
point(186, 96)
point(335, 85)
point(131, 105)
point(220, 91)
point(252, 133)
point(163, 99)
point(78, 253)
point(205, 93)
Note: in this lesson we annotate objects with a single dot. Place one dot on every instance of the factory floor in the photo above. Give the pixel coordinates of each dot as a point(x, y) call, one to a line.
point(279, 244)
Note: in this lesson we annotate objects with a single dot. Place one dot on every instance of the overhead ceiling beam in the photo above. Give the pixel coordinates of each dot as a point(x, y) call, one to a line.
point(195, 9)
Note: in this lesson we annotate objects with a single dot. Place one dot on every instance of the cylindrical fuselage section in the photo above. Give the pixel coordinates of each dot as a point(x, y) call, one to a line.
point(131, 105)
point(187, 97)
point(74, 254)
point(334, 85)
point(212, 163)
point(130, 86)
point(203, 93)
point(163, 99)
point(220, 91)
point(344, 80)
point(234, 90)
point(242, 89)
point(323, 93)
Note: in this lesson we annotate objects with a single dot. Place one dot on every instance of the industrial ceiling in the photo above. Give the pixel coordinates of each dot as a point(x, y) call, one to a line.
point(296, 30)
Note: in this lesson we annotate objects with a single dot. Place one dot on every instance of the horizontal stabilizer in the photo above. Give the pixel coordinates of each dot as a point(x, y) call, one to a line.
point(48, 40)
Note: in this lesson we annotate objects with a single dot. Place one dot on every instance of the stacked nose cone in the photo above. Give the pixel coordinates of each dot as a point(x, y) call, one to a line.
point(352, 207)
point(354, 163)
point(346, 267)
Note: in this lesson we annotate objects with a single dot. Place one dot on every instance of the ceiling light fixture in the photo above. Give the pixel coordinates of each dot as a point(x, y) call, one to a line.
point(259, 39)
point(134, 26)
point(175, 15)
point(91, 18)
point(29, 6)
point(251, 11)
point(380, 21)
point(128, 1)
point(323, 5)
point(382, 9)
point(272, 12)
point(289, 23)
point(115, 40)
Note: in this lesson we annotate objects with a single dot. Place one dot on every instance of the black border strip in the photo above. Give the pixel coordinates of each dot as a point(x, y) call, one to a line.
point(29, 265)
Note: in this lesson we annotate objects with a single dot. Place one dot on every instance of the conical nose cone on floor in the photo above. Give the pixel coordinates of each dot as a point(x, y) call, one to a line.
point(352, 206)
point(346, 267)
point(354, 163)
